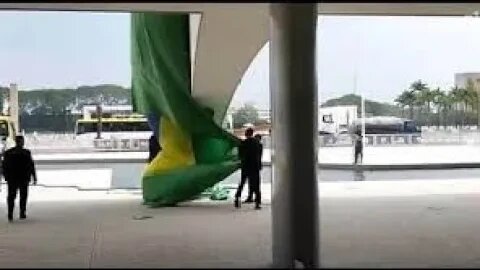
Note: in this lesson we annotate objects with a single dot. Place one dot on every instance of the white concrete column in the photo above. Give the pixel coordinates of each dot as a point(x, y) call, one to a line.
point(194, 21)
point(293, 92)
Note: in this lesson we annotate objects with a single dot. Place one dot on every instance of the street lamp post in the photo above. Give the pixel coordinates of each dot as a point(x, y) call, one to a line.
point(99, 121)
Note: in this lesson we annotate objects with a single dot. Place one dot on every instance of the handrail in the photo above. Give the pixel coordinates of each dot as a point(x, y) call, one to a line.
point(90, 160)
point(132, 144)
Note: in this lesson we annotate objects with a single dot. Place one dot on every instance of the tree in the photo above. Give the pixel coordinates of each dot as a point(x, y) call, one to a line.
point(456, 96)
point(427, 96)
point(446, 102)
point(418, 86)
point(438, 101)
point(465, 99)
point(400, 102)
point(406, 99)
point(420, 91)
point(472, 97)
point(48, 109)
point(246, 114)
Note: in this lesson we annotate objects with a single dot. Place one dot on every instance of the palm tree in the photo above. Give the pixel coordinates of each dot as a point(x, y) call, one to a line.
point(400, 101)
point(465, 99)
point(447, 102)
point(438, 101)
point(427, 96)
point(420, 91)
point(406, 98)
point(457, 96)
point(418, 86)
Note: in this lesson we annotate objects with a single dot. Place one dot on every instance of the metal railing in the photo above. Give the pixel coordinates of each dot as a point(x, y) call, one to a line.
point(114, 144)
point(430, 136)
point(425, 138)
point(371, 139)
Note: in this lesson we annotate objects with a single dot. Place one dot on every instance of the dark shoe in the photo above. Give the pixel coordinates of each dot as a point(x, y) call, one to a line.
point(23, 216)
point(248, 200)
point(10, 218)
point(237, 203)
point(258, 207)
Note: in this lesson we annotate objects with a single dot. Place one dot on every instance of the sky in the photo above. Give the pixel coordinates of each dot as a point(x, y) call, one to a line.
point(64, 49)
point(69, 49)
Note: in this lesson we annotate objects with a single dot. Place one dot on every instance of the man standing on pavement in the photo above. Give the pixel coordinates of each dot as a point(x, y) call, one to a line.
point(250, 157)
point(358, 144)
point(3, 149)
point(18, 170)
point(250, 190)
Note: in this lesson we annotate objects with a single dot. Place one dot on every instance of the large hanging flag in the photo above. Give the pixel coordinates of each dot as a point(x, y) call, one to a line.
point(196, 152)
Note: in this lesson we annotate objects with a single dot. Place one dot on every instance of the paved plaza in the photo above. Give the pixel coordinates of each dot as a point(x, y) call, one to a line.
point(392, 223)
point(396, 220)
point(99, 229)
point(418, 154)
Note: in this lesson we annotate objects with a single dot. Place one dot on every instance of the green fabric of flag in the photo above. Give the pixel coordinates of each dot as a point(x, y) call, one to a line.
point(196, 152)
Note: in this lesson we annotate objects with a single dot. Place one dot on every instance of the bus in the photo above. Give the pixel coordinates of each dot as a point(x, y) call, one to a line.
point(121, 127)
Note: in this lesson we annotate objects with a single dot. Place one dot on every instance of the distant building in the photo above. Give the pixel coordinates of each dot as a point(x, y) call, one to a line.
point(461, 79)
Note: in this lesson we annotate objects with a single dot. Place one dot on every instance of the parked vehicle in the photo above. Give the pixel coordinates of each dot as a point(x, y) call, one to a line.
point(385, 125)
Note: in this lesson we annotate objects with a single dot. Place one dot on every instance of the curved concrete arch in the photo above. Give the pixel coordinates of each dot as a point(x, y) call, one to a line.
point(225, 49)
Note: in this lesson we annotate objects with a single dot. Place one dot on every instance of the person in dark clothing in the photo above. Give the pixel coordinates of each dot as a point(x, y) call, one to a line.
point(250, 157)
point(249, 199)
point(153, 148)
point(3, 149)
point(18, 170)
point(358, 147)
point(259, 139)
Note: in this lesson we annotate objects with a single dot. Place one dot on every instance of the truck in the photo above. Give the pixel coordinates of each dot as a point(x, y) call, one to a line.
point(335, 120)
point(385, 125)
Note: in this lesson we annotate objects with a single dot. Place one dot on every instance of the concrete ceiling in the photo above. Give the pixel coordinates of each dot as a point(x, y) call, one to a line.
point(230, 35)
point(402, 9)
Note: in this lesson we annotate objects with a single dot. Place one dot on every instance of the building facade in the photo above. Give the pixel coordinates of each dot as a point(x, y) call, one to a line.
point(461, 79)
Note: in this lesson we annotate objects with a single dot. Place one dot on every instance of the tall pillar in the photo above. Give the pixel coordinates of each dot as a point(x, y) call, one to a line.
point(13, 106)
point(293, 92)
point(99, 112)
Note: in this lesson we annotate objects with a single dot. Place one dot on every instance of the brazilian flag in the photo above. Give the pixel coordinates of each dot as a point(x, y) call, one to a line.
point(196, 152)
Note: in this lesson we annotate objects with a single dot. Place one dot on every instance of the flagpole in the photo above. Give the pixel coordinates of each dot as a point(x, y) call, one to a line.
point(363, 123)
point(362, 104)
point(355, 83)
